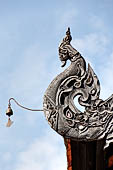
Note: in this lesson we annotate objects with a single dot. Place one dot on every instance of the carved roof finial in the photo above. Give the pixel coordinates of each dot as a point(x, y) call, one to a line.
point(68, 37)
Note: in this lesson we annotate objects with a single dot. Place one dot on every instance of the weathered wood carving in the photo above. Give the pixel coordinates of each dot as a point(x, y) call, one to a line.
point(96, 121)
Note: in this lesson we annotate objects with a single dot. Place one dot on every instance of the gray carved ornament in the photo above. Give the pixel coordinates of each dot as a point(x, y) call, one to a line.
point(64, 117)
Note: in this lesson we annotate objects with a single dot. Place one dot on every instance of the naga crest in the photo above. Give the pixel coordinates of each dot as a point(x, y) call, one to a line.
point(64, 117)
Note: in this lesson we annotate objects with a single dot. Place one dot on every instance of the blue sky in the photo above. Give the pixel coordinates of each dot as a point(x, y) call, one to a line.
point(30, 32)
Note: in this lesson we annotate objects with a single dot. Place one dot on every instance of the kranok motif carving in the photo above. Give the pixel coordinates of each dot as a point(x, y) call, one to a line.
point(64, 117)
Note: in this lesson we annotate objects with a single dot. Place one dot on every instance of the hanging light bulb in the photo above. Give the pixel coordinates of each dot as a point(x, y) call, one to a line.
point(9, 112)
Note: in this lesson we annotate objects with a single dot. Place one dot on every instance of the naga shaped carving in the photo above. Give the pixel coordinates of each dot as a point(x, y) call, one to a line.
point(64, 117)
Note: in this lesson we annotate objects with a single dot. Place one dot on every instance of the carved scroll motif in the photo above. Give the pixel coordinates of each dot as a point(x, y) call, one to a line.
point(96, 121)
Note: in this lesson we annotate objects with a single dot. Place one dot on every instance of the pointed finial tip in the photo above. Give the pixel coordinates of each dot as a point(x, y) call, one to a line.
point(68, 31)
point(69, 28)
point(68, 37)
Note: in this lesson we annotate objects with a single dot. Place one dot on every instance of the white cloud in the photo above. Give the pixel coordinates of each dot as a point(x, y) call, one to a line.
point(44, 153)
point(65, 18)
point(107, 77)
point(6, 156)
point(91, 44)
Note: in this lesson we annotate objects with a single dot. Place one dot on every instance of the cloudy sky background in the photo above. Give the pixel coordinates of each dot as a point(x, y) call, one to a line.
point(30, 32)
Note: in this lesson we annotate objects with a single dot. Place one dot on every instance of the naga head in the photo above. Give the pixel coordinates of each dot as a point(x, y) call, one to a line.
point(66, 51)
